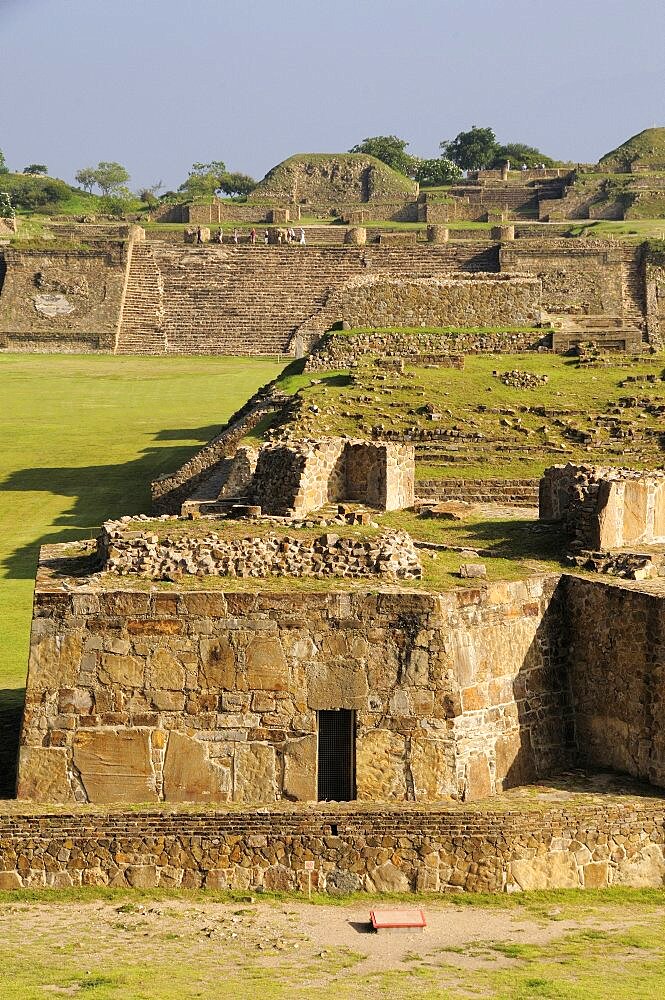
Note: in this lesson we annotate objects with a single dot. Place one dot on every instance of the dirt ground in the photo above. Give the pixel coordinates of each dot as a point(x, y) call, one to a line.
point(173, 947)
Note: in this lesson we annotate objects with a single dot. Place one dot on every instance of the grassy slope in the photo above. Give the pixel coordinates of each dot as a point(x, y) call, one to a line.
point(580, 391)
point(82, 438)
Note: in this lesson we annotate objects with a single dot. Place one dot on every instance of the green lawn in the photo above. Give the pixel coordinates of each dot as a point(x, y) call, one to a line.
point(83, 437)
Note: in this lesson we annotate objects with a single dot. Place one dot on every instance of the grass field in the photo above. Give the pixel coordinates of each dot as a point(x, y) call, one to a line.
point(82, 438)
point(132, 945)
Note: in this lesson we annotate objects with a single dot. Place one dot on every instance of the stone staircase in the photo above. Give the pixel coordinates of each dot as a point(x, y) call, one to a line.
point(141, 329)
point(251, 299)
point(514, 492)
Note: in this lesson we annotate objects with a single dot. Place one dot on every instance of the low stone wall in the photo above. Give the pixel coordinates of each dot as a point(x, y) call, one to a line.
point(337, 351)
point(515, 492)
point(462, 299)
point(124, 550)
point(604, 508)
point(376, 850)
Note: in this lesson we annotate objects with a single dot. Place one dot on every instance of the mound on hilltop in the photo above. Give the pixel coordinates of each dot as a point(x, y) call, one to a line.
point(333, 178)
point(644, 151)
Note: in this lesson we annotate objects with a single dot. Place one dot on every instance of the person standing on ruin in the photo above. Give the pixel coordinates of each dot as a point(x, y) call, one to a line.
point(199, 236)
point(252, 236)
point(235, 236)
point(220, 235)
point(266, 237)
point(302, 237)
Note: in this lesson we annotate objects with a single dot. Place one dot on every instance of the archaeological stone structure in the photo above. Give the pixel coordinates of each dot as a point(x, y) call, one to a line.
point(605, 508)
point(126, 294)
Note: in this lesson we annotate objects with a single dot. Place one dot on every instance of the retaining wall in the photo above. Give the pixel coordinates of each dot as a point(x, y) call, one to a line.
point(376, 850)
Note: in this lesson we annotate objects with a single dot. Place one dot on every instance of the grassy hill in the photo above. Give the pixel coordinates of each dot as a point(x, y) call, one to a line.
point(646, 150)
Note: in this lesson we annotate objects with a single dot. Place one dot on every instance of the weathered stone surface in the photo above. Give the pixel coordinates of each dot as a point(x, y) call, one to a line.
point(218, 665)
point(644, 868)
point(596, 875)
point(54, 661)
point(189, 776)
point(478, 779)
point(254, 773)
point(127, 671)
point(432, 770)
point(332, 685)
point(554, 870)
point(387, 878)
point(300, 773)
point(380, 766)
point(166, 671)
point(115, 766)
point(43, 775)
point(267, 668)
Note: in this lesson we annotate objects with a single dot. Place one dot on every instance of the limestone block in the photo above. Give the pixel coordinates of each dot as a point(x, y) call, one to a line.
point(634, 511)
point(189, 776)
point(115, 766)
point(300, 769)
point(643, 869)
point(254, 773)
point(659, 513)
point(10, 880)
point(54, 662)
point(42, 775)
point(478, 781)
point(380, 765)
point(555, 870)
point(266, 665)
point(431, 771)
point(166, 671)
point(336, 685)
point(218, 665)
point(142, 876)
point(124, 670)
point(387, 878)
point(205, 605)
point(514, 760)
point(595, 875)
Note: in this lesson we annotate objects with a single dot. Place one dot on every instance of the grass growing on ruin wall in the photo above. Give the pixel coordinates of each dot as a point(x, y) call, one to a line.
point(82, 438)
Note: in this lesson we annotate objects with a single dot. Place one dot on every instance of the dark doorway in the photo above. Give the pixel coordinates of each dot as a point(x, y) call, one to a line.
point(336, 776)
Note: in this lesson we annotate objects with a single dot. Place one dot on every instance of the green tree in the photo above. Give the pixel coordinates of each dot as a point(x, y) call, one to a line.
point(235, 183)
point(4, 169)
point(472, 150)
point(518, 154)
point(36, 168)
point(204, 179)
point(390, 150)
point(437, 171)
point(86, 178)
point(108, 176)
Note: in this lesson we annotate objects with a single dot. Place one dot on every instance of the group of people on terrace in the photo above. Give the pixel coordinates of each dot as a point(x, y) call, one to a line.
point(289, 235)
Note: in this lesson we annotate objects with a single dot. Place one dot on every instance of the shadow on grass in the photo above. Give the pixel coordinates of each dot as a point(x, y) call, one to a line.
point(509, 539)
point(98, 492)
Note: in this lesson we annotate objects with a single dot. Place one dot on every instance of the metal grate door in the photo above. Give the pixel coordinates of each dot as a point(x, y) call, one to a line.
point(336, 774)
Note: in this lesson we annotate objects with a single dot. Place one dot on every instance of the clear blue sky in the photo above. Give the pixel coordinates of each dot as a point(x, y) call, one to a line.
point(158, 84)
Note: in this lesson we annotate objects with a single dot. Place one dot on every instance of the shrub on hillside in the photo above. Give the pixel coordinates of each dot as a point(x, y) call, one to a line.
point(30, 192)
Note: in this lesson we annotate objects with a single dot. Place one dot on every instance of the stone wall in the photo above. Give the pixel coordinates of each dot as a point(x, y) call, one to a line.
point(339, 350)
point(617, 671)
point(578, 276)
point(296, 477)
point(125, 549)
point(375, 850)
point(460, 300)
point(140, 696)
point(604, 508)
point(57, 299)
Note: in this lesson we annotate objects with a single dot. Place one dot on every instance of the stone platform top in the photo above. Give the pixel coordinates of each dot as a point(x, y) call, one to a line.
point(575, 793)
